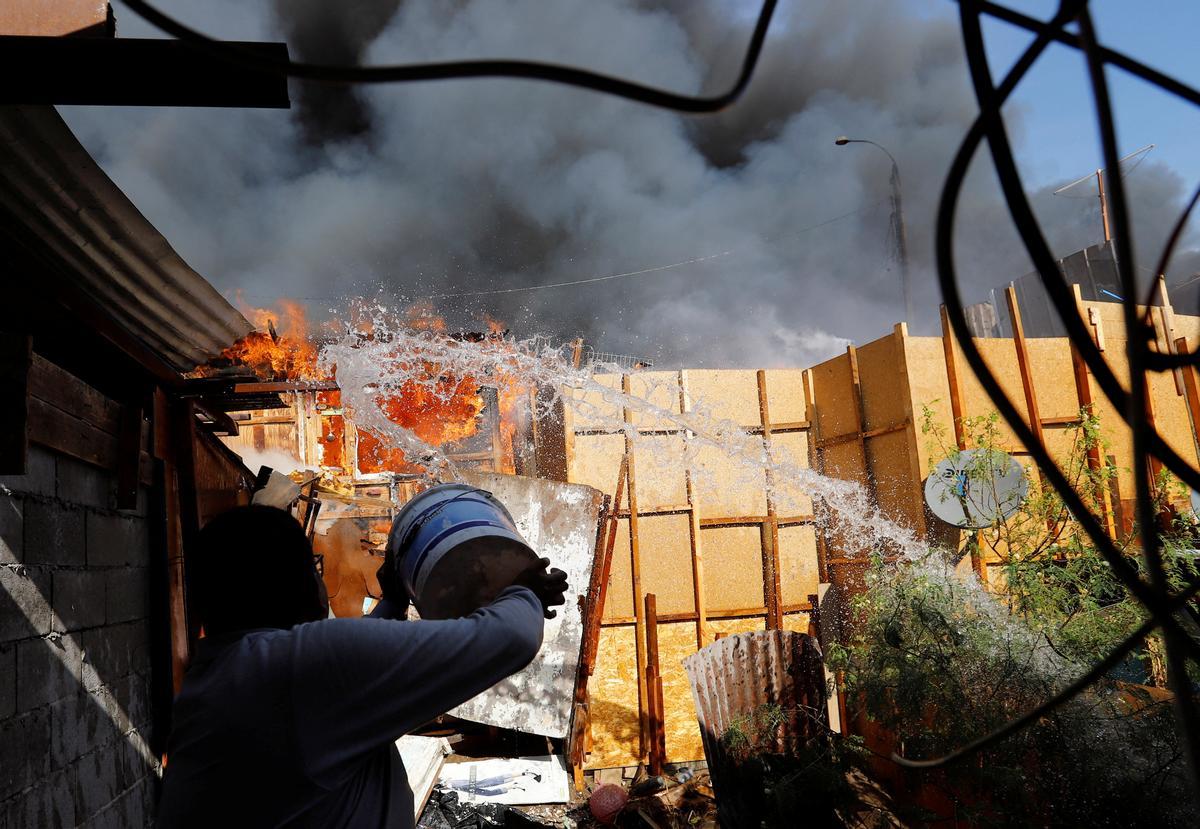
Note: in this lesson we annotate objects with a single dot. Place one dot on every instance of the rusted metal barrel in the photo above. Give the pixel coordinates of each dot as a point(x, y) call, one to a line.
point(770, 680)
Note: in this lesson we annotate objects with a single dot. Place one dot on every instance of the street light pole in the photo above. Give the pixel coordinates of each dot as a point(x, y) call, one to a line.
point(897, 223)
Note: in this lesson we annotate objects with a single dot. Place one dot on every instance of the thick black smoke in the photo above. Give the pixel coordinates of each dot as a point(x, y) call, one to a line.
point(469, 186)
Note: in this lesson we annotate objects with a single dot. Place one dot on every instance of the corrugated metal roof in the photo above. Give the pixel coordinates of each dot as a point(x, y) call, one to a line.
point(109, 249)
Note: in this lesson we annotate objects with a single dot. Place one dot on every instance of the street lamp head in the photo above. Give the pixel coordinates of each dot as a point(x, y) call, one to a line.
point(841, 141)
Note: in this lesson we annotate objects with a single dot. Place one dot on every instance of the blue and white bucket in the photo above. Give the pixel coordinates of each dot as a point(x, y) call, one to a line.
point(456, 546)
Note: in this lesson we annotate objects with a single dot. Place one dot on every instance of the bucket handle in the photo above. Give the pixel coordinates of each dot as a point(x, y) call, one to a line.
point(426, 517)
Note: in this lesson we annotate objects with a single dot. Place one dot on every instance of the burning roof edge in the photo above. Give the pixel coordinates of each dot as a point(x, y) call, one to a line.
point(59, 194)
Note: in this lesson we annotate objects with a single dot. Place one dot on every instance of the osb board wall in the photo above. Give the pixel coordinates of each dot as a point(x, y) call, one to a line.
point(613, 690)
point(897, 462)
point(732, 555)
point(1055, 388)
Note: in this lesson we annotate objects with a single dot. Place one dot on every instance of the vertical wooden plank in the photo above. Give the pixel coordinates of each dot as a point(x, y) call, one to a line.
point(497, 436)
point(1167, 316)
point(900, 332)
point(956, 398)
point(129, 455)
point(635, 569)
point(1031, 403)
point(165, 450)
point(770, 529)
point(1191, 389)
point(816, 461)
point(1083, 393)
point(685, 404)
point(655, 718)
point(16, 356)
point(859, 420)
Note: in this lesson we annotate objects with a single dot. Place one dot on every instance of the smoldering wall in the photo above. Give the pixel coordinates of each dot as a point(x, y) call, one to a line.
point(472, 194)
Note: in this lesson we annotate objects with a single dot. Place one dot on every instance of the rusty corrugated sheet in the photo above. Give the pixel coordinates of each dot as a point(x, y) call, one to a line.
point(56, 191)
point(736, 676)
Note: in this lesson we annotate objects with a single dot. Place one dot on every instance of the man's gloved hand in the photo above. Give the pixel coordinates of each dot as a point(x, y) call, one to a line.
point(391, 588)
point(548, 585)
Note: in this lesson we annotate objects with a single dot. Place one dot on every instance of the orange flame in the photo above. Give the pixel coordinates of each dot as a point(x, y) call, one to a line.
point(442, 411)
point(281, 348)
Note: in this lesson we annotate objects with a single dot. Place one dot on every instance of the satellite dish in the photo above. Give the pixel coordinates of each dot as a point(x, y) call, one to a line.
point(976, 488)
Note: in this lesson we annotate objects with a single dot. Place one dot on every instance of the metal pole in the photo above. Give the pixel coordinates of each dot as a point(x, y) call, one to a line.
point(897, 224)
point(901, 242)
point(1103, 205)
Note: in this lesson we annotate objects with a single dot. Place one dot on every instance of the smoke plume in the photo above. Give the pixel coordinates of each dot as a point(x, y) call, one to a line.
point(452, 191)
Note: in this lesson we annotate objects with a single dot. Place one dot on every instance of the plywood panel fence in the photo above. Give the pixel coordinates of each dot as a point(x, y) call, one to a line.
point(869, 405)
point(725, 544)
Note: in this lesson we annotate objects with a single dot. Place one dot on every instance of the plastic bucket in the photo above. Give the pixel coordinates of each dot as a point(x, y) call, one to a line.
point(456, 547)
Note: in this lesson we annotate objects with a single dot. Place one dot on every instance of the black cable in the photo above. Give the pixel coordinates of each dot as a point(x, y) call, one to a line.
point(1133, 67)
point(953, 301)
point(529, 70)
point(1057, 289)
point(1137, 347)
point(990, 101)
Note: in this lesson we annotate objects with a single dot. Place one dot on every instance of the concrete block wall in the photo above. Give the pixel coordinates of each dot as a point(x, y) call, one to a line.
point(75, 685)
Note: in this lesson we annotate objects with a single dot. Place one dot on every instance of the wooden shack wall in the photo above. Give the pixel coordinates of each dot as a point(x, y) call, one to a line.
point(744, 530)
point(863, 397)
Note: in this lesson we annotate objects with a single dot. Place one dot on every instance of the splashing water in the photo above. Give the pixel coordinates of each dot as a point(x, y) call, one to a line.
point(717, 452)
point(394, 356)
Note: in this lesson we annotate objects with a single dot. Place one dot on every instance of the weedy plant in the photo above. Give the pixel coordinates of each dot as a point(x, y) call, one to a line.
point(938, 659)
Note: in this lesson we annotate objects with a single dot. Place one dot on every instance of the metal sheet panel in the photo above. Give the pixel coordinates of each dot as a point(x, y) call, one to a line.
point(736, 676)
point(52, 186)
point(559, 521)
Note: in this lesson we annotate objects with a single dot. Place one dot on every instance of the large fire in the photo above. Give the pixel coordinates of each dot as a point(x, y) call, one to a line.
point(441, 409)
point(281, 347)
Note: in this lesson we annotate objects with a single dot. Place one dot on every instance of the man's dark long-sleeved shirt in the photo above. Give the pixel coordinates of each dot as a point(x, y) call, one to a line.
point(298, 727)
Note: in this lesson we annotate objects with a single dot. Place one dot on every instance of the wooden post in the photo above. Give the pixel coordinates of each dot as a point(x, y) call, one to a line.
point(1083, 392)
point(770, 528)
point(956, 400)
point(129, 455)
point(816, 460)
point(1031, 404)
point(16, 356)
point(635, 570)
point(655, 718)
point(685, 404)
point(1167, 315)
point(165, 450)
point(900, 333)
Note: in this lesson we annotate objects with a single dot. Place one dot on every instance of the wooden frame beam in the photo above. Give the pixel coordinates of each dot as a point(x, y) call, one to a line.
point(91, 71)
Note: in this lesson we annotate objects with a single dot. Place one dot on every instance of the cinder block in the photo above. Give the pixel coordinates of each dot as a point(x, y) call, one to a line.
point(67, 742)
point(128, 810)
point(126, 596)
point(97, 782)
point(47, 671)
point(135, 698)
point(79, 598)
point(114, 721)
point(26, 753)
point(12, 528)
point(8, 681)
point(39, 477)
point(50, 803)
point(54, 534)
point(84, 484)
point(117, 541)
point(112, 652)
point(24, 603)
